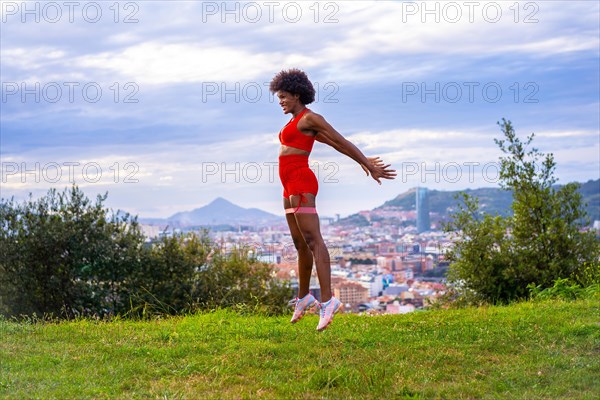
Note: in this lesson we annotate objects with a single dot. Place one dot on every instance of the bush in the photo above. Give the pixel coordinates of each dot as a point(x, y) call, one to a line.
point(64, 257)
point(188, 272)
point(565, 289)
point(496, 258)
point(236, 277)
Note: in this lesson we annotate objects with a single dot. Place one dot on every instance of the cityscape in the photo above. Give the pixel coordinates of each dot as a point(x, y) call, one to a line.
point(385, 261)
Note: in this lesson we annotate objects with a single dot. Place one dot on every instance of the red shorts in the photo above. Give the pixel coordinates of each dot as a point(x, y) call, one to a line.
point(296, 176)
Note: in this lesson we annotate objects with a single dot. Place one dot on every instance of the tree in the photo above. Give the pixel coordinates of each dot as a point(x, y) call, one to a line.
point(188, 272)
point(64, 256)
point(236, 277)
point(166, 281)
point(495, 258)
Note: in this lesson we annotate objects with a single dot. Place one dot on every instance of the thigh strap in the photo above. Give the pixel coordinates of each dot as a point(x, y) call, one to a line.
point(301, 210)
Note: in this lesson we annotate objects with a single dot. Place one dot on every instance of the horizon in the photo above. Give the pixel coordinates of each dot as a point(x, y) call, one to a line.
point(341, 216)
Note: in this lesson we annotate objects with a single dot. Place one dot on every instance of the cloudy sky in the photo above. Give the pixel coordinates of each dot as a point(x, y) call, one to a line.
point(165, 104)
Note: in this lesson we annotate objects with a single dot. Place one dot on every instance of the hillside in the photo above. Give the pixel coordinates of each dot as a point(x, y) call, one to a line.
point(491, 200)
point(546, 350)
point(590, 192)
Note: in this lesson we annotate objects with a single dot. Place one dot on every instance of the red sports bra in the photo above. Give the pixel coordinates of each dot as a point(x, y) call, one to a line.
point(291, 136)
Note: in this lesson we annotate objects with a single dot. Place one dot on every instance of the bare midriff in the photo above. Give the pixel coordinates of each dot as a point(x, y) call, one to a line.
point(288, 150)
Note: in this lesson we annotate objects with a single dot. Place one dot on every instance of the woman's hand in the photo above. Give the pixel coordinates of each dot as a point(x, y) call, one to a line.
point(378, 169)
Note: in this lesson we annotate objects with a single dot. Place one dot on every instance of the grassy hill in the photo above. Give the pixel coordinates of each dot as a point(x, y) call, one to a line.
point(543, 350)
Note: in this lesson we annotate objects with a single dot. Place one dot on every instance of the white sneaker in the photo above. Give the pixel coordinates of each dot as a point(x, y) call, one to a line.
point(328, 310)
point(302, 305)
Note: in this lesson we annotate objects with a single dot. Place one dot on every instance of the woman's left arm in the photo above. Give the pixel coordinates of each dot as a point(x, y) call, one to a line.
point(325, 133)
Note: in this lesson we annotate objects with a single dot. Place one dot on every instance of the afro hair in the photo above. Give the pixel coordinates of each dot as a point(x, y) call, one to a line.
point(294, 81)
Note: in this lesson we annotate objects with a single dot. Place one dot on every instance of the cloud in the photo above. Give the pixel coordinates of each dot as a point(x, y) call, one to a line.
point(343, 48)
point(177, 138)
point(158, 63)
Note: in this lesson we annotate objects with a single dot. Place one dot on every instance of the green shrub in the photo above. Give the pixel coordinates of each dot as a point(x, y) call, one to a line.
point(496, 259)
point(64, 257)
point(565, 289)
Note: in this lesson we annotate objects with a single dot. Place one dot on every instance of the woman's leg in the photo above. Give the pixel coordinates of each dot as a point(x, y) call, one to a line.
point(308, 225)
point(305, 256)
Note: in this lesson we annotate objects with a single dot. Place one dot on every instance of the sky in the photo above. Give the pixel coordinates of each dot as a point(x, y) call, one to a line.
point(165, 104)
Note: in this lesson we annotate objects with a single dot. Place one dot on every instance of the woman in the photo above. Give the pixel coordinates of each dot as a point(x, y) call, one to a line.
point(300, 187)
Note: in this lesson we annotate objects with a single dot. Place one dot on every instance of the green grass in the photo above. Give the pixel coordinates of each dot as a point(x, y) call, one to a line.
point(532, 350)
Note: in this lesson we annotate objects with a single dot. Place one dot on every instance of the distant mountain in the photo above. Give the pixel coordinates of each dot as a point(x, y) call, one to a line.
point(491, 201)
point(218, 212)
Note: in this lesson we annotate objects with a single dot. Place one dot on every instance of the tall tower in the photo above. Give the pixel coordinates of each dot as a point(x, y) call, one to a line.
point(423, 223)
